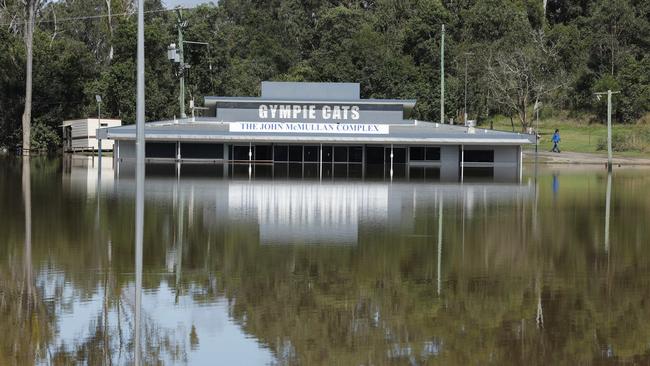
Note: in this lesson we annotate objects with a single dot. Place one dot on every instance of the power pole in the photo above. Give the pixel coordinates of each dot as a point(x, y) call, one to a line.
point(181, 97)
point(467, 54)
point(139, 186)
point(442, 76)
point(609, 124)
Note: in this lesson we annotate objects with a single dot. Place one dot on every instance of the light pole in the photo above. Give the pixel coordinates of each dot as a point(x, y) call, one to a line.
point(609, 93)
point(98, 99)
point(442, 76)
point(467, 54)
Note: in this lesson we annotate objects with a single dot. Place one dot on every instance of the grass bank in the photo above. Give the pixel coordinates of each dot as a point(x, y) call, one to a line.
point(583, 137)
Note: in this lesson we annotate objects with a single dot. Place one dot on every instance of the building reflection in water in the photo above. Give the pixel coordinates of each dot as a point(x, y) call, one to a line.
point(309, 212)
point(279, 212)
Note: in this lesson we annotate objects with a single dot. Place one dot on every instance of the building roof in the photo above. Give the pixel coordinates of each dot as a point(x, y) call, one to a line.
point(417, 132)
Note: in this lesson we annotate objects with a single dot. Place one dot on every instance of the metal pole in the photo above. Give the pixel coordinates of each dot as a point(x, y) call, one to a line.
point(609, 130)
point(139, 205)
point(465, 104)
point(608, 201)
point(391, 162)
point(439, 241)
point(181, 97)
point(462, 163)
point(442, 76)
point(99, 125)
point(536, 132)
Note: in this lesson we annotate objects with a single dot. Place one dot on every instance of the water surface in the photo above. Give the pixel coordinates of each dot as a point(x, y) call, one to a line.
point(253, 268)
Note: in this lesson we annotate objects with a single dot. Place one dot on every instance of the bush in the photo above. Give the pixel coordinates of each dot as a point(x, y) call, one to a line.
point(634, 140)
point(44, 138)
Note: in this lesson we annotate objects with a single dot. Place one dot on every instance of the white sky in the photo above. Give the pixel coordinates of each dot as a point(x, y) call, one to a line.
point(186, 3)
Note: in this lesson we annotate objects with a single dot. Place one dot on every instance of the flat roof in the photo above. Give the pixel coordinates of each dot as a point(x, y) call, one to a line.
point(404, 102)
point(418, 132)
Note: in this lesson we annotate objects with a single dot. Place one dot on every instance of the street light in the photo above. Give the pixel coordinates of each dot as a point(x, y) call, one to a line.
point(609, 93)
point(98, 99)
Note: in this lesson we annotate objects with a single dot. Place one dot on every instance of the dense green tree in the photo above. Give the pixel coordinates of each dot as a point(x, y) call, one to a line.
point(390, 47)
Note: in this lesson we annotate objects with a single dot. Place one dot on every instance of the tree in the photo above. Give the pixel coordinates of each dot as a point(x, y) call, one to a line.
point(524, 75)
point(31, 7)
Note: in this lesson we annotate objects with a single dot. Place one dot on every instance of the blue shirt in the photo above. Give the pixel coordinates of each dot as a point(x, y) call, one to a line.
point(556, 137)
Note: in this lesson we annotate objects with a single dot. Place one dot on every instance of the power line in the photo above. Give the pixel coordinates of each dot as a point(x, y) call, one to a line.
point(85, 17)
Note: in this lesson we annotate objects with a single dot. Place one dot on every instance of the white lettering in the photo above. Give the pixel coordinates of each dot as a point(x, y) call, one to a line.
point(345, 109)
point(336, 112)
point(263, 111)
point(327, 112)
point(355, 112)
point(295, 127)
point(308, 112)
point(296, 111)
point(285, 111)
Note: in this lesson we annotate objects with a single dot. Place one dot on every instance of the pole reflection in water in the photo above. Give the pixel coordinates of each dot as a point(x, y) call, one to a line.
point(439, 243)
point(179, 239)
point(608, 205)
point(27, 255)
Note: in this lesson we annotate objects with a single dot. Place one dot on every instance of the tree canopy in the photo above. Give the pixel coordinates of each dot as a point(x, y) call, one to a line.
point(517, 53)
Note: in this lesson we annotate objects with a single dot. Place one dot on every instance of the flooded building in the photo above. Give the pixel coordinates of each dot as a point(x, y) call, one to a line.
point(323, 125)
point(80, 134)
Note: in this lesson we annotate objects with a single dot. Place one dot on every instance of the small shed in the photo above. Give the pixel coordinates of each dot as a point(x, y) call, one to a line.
point(81, 134)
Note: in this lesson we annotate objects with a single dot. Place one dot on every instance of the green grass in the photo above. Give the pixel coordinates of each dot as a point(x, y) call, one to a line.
point(576, 136)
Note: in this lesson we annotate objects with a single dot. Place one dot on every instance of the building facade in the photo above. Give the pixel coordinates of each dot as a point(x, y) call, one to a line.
point(324, 126)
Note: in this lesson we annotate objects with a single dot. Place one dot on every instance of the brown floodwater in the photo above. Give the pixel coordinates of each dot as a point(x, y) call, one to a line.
point(274, 265)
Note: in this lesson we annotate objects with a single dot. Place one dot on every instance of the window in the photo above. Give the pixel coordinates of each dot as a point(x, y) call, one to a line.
point(355, 154)
point(295, 154)
point(311, 153)
point(201, 151)
point(432, 153)
point(479, 156)
point(422, 153)
point(327, 154)
point(165, 150)
point(280, 153)
point(263, 152)
point(340, 154)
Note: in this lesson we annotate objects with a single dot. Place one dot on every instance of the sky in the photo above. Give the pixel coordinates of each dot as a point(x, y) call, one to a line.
point(185, 3)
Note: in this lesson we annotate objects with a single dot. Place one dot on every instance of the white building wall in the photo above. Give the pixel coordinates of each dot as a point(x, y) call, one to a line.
point(84, 133)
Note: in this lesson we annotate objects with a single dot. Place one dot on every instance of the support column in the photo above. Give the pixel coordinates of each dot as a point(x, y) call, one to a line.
point(178, 150)
point(462, 163)
point(391, 162)
point(521, 163)
point(320, 162)
point(226, 157)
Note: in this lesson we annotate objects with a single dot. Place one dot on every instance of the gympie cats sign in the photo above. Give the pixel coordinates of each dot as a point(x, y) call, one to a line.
point(298, 127)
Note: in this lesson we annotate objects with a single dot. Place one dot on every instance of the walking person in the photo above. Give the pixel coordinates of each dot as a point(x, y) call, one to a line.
point(556, 141)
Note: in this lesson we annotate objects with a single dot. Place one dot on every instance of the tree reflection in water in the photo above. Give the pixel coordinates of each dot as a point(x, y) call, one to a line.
point(532, 283)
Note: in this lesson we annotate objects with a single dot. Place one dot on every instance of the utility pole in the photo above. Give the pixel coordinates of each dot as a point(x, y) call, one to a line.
point(467, 54)
point(139, 185)
point(609, 124)
point(176, 54)
point(181, 97)
point(442, 76)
